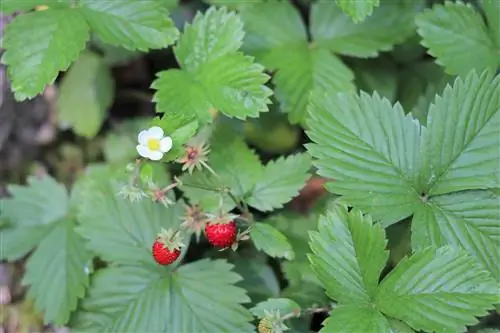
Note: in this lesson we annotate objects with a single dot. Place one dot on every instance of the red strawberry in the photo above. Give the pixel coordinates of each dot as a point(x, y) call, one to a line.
point(167, 247)
point(221, 232)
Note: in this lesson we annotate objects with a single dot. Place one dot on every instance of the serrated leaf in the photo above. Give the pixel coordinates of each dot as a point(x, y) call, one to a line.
point(437, 290)
point(134, 25)
point(56, 272)
point(390, 23)
point(85, 94)
point(177, 92)
point(271, 241)
point(421, 108)
point(371, 151)
point(116, 229)
point(456, 35)
point(285, 306)
point(358, 10)
point(461, 144)
point(31, 206)
point(349, 255)
point(11, 6)
point(468, 219)
point(235, 85)
point(137, 299)
point(214, 34)
point(492, 11)
point(205, 190)
point(17, 241)
point(40, 44)
point(356, 318)
point(238, 166)
point(281, 180)
point(276, 35)
point(378, 75)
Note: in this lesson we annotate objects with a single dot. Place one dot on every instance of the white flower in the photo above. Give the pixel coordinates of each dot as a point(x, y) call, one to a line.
point(153, 144)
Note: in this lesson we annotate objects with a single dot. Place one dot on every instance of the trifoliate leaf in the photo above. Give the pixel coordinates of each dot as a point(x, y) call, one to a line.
point(10, 6)
point(456, 35)
point(391, 23)
point(140, 299)
point(276, 35)
point(285, 306)
point(356, 318)
point(369, 149)
point(461, 144)
point(349, 255)
point(86, 92)
point(271, 241)
point(118, 230)
point(210, 36)
point(40, 44)
point(281, 180)
point(31, 206)
point(468, 219)
point(214, 75)
point(492, 13)
point(358, 10)
point(134, 25)
point(437, 290)
point(56, 272)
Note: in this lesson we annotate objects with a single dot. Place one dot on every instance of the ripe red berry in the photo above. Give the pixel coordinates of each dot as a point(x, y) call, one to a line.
point(221, 235)
point(167, 246)
point(163, 255)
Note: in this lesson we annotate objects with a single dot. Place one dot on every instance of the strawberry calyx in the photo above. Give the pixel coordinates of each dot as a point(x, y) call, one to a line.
point(221, 218)
point(170, 239)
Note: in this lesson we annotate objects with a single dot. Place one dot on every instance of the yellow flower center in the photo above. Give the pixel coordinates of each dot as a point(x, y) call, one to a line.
point(154, 144)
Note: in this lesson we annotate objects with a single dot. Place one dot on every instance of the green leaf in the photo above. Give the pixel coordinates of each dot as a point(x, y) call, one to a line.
point(390, 24)
point(136, 299)
point(358, 10)
point(437, 290)
point(31, 206)
point(468, 219)
point(40, 44)
point(271, 241)
point(356, 318)
point(456, 35)
point(259, 279)
point(11, 6)
point(380, 75)
point(56, 273)
point(215, 75)
point(134, 25)
point(211, 35)
point(17, 241)
point(116, 229)
point(492, 12)
point(283, 305)
point(85, 94)
point(421, 108)
point(280, 181)
point(238, 166)
point(371, 151)
point(179, 93)
point(205, 190)
point(276, 35)
point(235, 85)
point(349, 255)
point(461, 144)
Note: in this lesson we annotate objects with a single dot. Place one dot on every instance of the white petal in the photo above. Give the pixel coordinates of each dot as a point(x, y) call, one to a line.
point(155, 132)
point(166, 144)
point(143, 137)
point(144, 151)
point(155, 155)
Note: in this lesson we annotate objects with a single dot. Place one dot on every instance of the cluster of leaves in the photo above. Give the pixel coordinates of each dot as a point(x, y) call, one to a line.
point(437, 165)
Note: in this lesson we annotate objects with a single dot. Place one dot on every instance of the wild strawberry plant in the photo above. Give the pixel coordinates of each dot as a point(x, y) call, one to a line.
point(173, 231)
